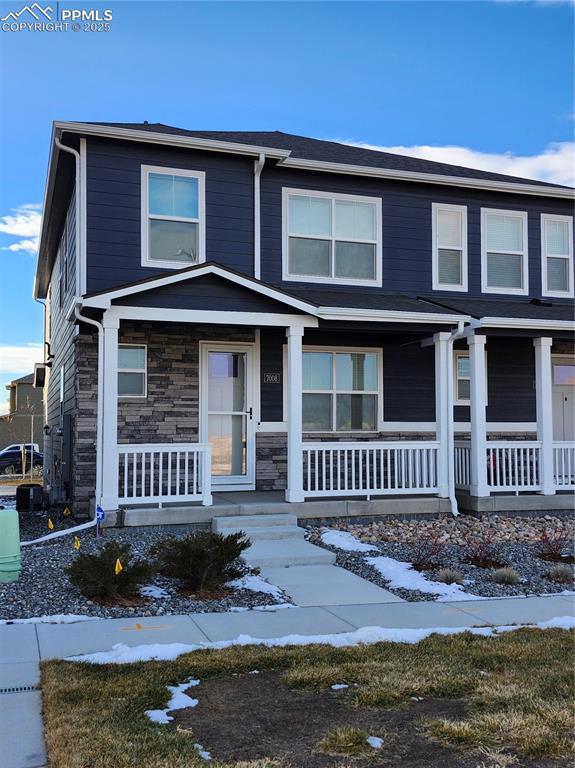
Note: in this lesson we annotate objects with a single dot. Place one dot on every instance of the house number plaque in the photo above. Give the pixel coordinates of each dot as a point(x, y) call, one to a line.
point(272, 378)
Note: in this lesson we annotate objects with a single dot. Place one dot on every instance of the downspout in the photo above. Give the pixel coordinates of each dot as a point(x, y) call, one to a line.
point(78, 209)
point(100, 401)
point(456, 334)
point(258, 166)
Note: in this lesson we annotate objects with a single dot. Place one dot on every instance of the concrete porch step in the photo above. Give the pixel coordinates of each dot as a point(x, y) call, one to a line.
point(241, 522)
point(260, 532)
point(285, 553)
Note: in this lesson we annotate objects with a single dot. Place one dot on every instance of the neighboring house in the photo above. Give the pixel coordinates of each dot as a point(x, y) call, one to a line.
point(24, 421)
point(233, 311)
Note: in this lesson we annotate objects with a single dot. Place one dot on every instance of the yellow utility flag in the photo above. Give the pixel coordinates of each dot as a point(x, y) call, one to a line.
point(119, 567)
point(66, 512)
point(50, 524)
point(77, 543)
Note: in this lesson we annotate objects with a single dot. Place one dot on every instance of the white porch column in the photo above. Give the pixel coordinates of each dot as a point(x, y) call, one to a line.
point(478, 384)
point(544, 401)
point(294, 491)
point(442, 404)
point(109, 499)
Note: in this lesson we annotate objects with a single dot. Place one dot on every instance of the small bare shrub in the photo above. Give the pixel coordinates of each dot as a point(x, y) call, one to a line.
point(505, 576)
point(482, 550)
point(449, 576)
point(428, 552)
point(552, 546)
point(561, 572)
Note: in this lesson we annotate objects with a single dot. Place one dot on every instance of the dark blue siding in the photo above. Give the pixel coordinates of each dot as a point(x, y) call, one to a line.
point(113, 199)
point(406, 224)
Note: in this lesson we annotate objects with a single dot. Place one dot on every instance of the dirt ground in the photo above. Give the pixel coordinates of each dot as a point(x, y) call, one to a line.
point(254, 716)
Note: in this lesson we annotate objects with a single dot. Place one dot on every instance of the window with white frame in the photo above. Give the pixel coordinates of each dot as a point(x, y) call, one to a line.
point(132, 370)
point(341, 391)
point(556, 255)
point(449, 232)
point(504, 251)
point(462, 378)
point(173, 219)
point(332, 238)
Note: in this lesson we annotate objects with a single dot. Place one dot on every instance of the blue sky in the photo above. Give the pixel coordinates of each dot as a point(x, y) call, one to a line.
point(487, 84)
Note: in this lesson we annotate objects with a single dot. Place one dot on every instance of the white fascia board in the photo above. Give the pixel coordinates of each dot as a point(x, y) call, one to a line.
point(170, 139)
point(523, 322)
point(388, 315)
point(429, 178)
point(213, 317)
point(104, 300)
point(47, 194)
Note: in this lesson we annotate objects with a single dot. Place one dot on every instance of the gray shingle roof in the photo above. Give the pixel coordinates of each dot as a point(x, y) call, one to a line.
point(305, 148)
point(528, 309)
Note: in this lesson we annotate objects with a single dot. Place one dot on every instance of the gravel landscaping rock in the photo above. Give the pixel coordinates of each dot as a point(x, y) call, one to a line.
point(43, 588)
point(515, 539)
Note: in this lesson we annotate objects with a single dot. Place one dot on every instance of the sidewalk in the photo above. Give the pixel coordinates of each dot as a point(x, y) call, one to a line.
point(23, 646)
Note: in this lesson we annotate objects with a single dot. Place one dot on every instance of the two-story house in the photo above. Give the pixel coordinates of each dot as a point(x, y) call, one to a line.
point(234, 311)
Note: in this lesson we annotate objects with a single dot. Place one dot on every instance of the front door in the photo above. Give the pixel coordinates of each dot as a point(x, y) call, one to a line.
point(226, 413)
point(563, 399)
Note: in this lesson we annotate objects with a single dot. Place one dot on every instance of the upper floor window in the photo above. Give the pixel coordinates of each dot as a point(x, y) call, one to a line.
point(173, 218)
point(504, 252)
point(449, 233)
point(556, 255)
point(331, 238)
point(341, 390)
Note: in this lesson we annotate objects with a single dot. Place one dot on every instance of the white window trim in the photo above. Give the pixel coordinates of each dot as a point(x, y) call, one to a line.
point(145, 216)
point(545, 291)
point(143, 370)
point(286, 192)
point(437, 286)
point(456, 399)
point(334, 350)
point(485, 288)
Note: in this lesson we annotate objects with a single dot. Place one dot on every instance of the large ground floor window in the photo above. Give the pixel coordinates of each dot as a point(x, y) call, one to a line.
point(341, 390)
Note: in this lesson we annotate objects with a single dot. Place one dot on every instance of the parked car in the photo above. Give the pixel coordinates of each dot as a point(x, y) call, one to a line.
point(19, 446)
point(12, 458)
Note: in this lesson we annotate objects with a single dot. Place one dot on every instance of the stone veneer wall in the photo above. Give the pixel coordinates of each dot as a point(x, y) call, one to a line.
point(169, 412)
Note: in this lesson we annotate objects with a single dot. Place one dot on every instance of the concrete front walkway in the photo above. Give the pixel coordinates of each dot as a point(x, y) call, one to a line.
point(23, 646)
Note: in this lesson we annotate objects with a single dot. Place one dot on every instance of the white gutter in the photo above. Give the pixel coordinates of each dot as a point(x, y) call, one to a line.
point(388, 315)
point(524, 322)
point(76, 154)
point(492, 185)
point(100, 401)
point(258, 166)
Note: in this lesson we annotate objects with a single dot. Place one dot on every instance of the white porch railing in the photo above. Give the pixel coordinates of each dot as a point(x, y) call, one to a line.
point(162, 472)
point(511, 465)
point(369, 469)
point(462, 464)
point(564, 465)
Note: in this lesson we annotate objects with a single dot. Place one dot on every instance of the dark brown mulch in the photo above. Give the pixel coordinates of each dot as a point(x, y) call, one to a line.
point(254, 716)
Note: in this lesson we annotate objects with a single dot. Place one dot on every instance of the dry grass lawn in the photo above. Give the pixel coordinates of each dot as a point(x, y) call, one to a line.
point(517, 691)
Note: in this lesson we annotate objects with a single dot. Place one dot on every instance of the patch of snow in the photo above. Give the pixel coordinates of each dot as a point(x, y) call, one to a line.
point(375, 742)
point(255, 584)
point(344, 540)
point(178, 700)
point(151, 590)
point(339, 686)
point(123, 654)
point(403, 575)
point(203, 753)
point(276, 607)
point(254, 672)
point(60, 618)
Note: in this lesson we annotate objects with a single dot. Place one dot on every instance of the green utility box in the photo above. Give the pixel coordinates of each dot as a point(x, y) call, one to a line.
point(9, 545)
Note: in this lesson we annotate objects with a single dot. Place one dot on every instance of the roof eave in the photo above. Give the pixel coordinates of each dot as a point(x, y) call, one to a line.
point(512, 187)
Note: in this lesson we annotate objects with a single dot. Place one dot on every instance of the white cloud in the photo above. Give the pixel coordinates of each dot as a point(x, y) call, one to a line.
point(23, 222)
point(18, 360)
point(556, 164)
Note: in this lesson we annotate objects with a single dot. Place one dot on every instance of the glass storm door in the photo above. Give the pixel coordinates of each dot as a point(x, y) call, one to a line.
point(228, 414)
